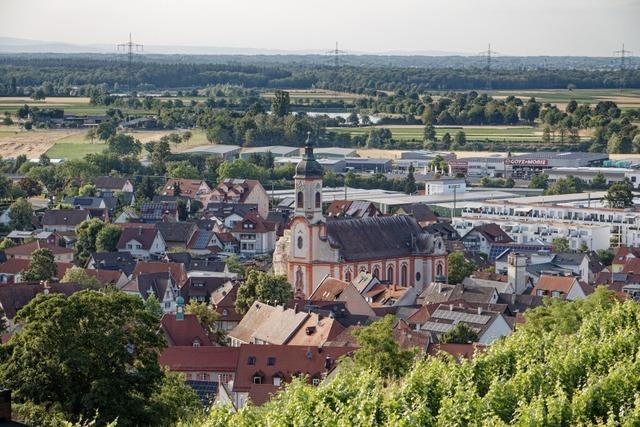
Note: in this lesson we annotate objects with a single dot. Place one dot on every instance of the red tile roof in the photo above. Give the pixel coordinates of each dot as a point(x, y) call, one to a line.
point(329, 289)
point(178, 270)
point(288, 361)
point(259, 224)
point(208, 358)
point(28, 248)
point(550, 283)
point(144, 235)
point(184, 332)
point(188, 187)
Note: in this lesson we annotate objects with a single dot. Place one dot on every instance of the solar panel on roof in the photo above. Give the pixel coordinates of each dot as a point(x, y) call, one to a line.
point(202, 239)
point(437, 327)
point(457, 316)
point(206, 390)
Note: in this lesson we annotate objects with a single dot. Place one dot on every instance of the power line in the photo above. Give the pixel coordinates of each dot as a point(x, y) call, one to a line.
point(129, 48)
point(336, 55)
point(623, 54)
point(488, 55)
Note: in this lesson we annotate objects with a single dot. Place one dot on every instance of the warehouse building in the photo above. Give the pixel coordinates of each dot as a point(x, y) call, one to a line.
point(527, 165)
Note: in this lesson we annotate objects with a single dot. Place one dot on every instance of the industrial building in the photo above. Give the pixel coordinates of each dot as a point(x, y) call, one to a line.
point(226, 152)
point(366, 164)
point(275, 150)
point(527, 165)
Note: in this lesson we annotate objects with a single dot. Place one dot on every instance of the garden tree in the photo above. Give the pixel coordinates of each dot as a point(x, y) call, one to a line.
point(460, 139)
point(146, 189)
point(208, 318)
point(239, 168)
point(30, 186)
point(5, 187)
point(410, 181)
point(6, 243)
point(235, 266)
point(353, 119)
point(107, 238)
point(380, 352)
point(530, 111)
point(263, 287)
point(446, 141)
point(80, 276)
point(458, 268)
point(546, 135)
point(459, 334)
point(91, 135)
point(560, 244)
point(583, 247)
point(183, 212)
point(125, 145)
point(95, 355)
point(280, 105)
point(106, 130)
point(153, 307)
point(21, 215)
point(41, 267)
point(599, 181)
point(619, 144)
point(606, 256)
point(174, 138)
point(87, 190)
point(429, 133)
point(566, 185)
point(183, 170)
point(186, 136)
point(87, 233)
point(378, 137)
point(620, 195)
point(539, 180)
point(160, 150)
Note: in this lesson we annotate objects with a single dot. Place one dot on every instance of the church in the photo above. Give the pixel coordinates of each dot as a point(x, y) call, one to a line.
point(394, 249)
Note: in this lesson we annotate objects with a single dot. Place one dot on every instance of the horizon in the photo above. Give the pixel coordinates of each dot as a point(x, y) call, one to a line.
point(571, 28)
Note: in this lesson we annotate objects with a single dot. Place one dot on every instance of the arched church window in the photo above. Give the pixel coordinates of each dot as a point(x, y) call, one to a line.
point(299, 202)
point(439, 270)
point(403, 275)
point(390, 277)
point(300, 242)
point(376, 272)
point(347, 276)
point(318, 200)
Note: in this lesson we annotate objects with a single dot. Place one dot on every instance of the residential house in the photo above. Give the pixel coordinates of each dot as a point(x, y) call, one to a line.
point(142, 242)
point(264, 369)
point(116, 261)
point(585, 265)
point(482, 237)
point(265, 324)
point(244, 191)
point(564, 287)
point(177, 235)
point(228, 214)
point(162, 285)
point(421, 212)
point(26, 250)
point(178, 270)
point(113, 184)
point(14, 296)
point(182, 329)
point(316, 331)
point(191, 188)
point(19, 237)
point(64, 220)
point(622, 255)
point(223, 301)
point(441, 292)
point(256, 235)
point(11, 270)
point(199, 288)
point(202, 363)
point(159, 212)
point(352, 209)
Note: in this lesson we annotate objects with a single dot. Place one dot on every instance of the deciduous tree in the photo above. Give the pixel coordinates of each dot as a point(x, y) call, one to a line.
point(41, 267)
point(263, 287)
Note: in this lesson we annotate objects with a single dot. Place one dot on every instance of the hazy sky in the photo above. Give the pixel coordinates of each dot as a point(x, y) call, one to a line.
point(514, 27)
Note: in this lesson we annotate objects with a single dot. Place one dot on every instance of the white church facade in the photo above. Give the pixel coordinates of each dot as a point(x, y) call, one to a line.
point(395, 249)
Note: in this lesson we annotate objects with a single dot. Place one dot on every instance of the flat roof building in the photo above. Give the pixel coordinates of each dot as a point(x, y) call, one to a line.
point(332, 164)
point(275, 150)
point(227, 152)
point(334, 152)
point(366, 164)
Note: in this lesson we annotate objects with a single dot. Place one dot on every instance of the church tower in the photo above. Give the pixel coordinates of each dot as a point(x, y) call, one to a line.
point(308, 181)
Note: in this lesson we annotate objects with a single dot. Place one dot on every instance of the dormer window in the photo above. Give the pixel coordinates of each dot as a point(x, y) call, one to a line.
point(196, 342)
point(225, 312)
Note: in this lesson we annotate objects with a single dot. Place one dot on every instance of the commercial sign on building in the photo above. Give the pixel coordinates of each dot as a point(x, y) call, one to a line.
point(527, 162)
point(458, 163)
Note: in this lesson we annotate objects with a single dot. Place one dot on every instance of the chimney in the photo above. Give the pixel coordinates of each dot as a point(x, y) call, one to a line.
point(479, 310)
point(327, 363)
point(439, 287)
point(450, 307)
point(295, 307)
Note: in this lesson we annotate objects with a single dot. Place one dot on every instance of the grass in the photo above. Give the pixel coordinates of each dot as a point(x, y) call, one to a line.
point(629, 98)
point(69, 105)
point(66, 150)
point(473, 133)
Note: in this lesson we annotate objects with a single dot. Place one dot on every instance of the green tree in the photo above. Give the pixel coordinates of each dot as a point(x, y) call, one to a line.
point(281, 103)
point(80, 276)
point(106, 130)
point(599, 181)
point(6, 243)
point(153, 307)
point(107, 238)
point(446, 141)
point(183, 170)
point(87, 190)
point(380, 352)
point(539, 180)
point(95, 355)
point(208, 318)
point(459, 334)
point(30, 186)
point(619, 144)
point(124, 145)
point(429, 133)
point(87, 233)
point(410, 181)
point(460, 139)
point(41, 267)
point(263, 287)
point(21, 215)
point(566, 185)
point(620, 195)
point(560, 244)
point(235, 266)
point(458, 268)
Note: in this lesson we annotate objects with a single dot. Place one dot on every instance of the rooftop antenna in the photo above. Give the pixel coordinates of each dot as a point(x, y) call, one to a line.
point(129, 48)
point(336, 55)
point(622, 54)
point(488, 54)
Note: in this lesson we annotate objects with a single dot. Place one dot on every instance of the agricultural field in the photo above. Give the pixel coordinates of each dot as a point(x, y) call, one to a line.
point(473, 133)
point(627, 98)
point(70, 105)
point(320, 94)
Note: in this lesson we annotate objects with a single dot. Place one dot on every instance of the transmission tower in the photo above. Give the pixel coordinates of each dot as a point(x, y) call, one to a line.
point(623, 55)
point(129, 48)
point(336, 55)
point(488, 55)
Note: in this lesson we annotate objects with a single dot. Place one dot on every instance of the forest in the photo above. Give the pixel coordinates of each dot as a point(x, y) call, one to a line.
point(65, 73)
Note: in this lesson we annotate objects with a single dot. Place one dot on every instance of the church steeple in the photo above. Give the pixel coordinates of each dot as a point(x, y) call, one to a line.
point(308, 181)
